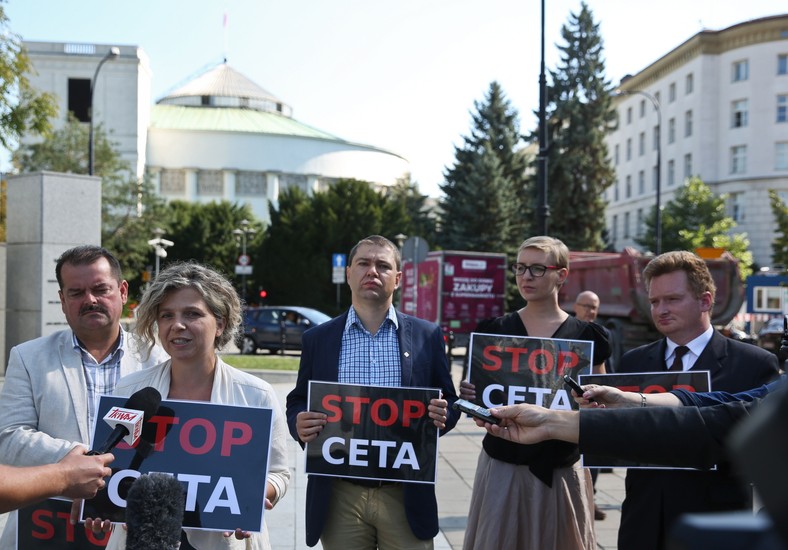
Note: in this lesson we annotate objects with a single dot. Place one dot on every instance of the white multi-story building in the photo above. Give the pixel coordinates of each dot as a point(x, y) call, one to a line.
point(723, 105)
point(218, 137)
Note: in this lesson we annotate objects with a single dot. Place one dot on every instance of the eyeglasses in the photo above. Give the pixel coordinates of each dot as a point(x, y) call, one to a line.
point(537, 270)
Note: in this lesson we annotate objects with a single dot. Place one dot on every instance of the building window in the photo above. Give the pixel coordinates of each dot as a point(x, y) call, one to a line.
point(781, 156)
point(642, 108)
point(671, 173)
point(689, 84)
point(655, 138)
point(671, 130)
point(614, 229)
point(740, 70)
point(672, 92)
point(79, 98)
point(629, 148)
point(688, 124)
point(626, 225)
point(782, 107)
point(641, 182)
point(628, 188)
point(172, 182)
point(740, 113)
point(210, 183)
point(782, 64)
point(639, 223)
point(687, 166)
point(736, 206)
point(629, 115)
point(769, 298)
point(615, 192)
point(739, 159)
point(642, 144)
point(615, 153)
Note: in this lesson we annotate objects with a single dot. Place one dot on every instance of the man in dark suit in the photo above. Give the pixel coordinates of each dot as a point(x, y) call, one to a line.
point(371, 344)
point(681, 292)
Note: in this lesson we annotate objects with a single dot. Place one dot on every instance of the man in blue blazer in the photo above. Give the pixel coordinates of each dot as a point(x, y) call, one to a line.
point(681, 292)
point(371, 344)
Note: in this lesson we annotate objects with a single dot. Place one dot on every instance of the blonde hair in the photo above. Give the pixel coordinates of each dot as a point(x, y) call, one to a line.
point(554, 248)
point(219, 295)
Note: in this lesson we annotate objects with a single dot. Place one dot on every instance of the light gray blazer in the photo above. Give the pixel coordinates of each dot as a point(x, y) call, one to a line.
point(43, 406)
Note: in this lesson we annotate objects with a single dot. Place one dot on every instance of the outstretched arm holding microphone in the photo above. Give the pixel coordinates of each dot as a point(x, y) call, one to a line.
point(75, 476)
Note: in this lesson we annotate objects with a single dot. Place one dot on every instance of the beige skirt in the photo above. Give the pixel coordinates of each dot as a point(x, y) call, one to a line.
point(512, 509)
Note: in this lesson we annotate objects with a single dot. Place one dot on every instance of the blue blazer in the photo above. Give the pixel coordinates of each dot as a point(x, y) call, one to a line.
point(424, 364)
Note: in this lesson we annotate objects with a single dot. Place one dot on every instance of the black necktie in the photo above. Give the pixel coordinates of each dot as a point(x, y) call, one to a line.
point(677, 365)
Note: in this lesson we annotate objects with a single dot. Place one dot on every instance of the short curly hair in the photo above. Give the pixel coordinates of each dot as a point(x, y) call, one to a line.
point(219, 295)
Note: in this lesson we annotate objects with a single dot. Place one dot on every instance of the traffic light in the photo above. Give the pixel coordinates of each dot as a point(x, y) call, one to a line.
point(263, 294)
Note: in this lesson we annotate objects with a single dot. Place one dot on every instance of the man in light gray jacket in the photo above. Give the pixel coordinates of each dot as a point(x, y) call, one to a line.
point(52, 384)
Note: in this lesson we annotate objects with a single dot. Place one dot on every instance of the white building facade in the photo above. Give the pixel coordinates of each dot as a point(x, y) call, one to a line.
point(218, 137)
point(723, 103)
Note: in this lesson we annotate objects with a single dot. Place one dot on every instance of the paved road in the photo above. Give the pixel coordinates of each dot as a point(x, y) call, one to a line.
point(458, 451)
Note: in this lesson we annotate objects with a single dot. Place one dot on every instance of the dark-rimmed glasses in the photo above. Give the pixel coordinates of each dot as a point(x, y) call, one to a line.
point(537, 270)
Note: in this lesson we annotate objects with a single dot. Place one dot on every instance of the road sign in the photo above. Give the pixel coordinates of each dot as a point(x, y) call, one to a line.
point(339, 260)
point(243, 259)
point(338, 275)
point(243, 270)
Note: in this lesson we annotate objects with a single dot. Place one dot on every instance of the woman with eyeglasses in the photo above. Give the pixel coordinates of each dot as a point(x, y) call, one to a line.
point(534, 496)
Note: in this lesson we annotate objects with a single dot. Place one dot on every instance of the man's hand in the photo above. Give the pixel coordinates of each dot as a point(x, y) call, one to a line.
point(309, 424)
point(529, 424)
point(439, 412)
point(467, 391)
point(84, 475)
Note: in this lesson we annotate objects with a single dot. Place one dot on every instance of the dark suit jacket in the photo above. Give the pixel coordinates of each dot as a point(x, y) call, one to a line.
point(424, 364)
point(656, 498)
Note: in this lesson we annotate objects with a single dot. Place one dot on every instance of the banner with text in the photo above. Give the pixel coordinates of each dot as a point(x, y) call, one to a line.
point(374, 432)
point(520, 369)
point(218, 452)
point(45, 526)
point(646, 383)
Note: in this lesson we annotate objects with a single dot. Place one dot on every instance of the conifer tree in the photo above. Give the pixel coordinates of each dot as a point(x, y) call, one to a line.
point(579, 116)
point(486, 202)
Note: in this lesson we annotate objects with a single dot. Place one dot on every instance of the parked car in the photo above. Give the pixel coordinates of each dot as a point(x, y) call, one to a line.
point(771, 334)
point(277, 328)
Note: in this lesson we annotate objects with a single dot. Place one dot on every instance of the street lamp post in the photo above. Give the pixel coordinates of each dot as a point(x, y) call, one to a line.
point(542, 206)
point(113, 53)
point(242, 235)
point(658, 214)
point(159, 246)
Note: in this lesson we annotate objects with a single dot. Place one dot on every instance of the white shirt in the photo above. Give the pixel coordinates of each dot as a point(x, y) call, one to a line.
point(695, 346)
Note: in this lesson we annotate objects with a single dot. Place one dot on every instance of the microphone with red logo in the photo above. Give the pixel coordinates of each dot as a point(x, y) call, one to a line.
point(126, 421)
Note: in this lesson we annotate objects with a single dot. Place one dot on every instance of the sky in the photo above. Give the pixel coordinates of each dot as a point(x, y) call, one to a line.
point(402, 75)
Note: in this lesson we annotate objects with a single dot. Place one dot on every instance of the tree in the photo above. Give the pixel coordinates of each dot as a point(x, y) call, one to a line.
point(580, 114)
point(130, 208)
point(696, 218)
point(305, 231)
point(486, 205)
point(23, 110)
point(780, 242)
point(204, 233)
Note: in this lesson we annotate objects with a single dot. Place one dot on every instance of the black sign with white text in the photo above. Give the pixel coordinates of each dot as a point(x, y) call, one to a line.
point(46, 526)
point(517, 369)
point(373, 432)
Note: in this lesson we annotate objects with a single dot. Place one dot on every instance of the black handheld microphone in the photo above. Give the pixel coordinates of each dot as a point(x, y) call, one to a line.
point(154, 513)
point(127, 420)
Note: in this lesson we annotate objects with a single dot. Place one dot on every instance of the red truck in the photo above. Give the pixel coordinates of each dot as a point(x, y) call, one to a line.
point(455, 289)
point(624, 308)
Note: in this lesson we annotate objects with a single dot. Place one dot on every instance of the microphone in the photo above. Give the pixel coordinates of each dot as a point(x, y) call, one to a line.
point(154, 513)
point(151, 436)
point(127, 421)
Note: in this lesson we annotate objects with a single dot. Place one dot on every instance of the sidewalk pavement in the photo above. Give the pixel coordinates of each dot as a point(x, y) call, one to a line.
point(458, 452)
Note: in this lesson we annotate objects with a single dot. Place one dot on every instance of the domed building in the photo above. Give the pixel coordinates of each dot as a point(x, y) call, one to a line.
point(220, 136)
